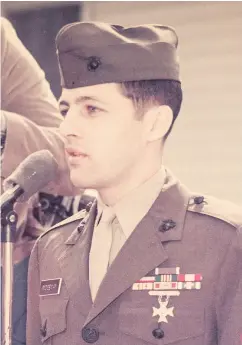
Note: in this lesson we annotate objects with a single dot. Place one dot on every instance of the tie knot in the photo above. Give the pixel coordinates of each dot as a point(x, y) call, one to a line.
point(108, 215)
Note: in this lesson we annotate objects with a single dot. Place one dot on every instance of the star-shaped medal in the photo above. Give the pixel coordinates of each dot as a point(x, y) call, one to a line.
point(163, 311)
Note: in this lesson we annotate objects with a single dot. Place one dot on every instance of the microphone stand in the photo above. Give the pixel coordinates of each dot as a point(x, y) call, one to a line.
point(9, 220)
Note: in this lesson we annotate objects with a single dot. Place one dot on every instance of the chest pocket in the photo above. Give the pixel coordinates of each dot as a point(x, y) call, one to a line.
point(53, 310)
point(182, 319)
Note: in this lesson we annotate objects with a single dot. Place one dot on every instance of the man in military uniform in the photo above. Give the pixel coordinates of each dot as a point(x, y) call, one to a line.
point(148, 262)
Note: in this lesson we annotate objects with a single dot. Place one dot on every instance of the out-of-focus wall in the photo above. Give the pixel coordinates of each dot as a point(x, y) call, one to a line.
point(205, 148)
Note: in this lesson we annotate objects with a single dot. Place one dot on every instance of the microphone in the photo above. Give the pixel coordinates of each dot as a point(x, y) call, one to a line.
point(33, 174)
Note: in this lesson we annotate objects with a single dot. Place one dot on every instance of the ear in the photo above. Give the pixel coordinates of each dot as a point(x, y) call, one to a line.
point(158, 121)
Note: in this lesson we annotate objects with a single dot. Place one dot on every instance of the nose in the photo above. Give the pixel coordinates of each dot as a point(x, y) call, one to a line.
point(68, 127)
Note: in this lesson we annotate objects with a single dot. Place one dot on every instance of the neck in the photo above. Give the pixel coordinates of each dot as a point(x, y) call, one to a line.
point(132, 179)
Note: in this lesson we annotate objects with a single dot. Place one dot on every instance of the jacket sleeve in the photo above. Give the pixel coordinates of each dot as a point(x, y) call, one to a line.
point(229, 296)
point(33, 328)
point(25, 90)
point(24, 137)
point(30, 110)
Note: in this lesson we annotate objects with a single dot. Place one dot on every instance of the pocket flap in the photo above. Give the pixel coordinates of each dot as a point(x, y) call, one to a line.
point(53, 321)
point(177, 329)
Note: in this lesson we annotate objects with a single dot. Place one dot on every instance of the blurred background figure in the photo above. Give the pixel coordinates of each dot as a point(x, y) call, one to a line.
point(37, 24)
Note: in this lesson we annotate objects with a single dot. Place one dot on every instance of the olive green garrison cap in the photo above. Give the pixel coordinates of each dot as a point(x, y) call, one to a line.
point(91, 53)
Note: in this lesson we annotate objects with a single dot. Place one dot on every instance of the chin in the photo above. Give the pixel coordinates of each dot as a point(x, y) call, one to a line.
point(82, 181)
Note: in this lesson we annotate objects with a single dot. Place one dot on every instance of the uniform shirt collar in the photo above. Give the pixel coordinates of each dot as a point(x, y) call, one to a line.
point(135, 205)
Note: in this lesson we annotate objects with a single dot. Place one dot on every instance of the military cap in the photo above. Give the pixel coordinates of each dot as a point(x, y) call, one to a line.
point(91, 53)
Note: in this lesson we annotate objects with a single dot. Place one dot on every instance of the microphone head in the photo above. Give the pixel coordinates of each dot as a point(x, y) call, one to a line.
point(33, 174)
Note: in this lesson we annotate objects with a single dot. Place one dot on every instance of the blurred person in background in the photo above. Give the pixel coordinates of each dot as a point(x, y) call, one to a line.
point(150, 262)
point(29, 121)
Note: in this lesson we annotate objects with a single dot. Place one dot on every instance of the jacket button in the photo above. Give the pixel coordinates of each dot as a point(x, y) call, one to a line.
point(199, 200)
point(90, 335)
point(93, 63)
point(167, 225)
point(158, 333)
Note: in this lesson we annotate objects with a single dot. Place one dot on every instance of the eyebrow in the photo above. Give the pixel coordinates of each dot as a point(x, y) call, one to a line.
point(81, 99)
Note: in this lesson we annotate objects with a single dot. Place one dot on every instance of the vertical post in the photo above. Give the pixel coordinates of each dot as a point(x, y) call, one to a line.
point(8, 231)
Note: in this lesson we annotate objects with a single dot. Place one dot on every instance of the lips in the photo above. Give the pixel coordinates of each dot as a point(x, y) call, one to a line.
point(74, 152)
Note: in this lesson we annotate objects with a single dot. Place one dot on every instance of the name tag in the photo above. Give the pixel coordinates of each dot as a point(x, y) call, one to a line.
point(50, 287)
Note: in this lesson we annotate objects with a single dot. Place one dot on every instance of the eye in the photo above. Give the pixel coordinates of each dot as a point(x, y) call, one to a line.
point(92, 110)
point(64, 111)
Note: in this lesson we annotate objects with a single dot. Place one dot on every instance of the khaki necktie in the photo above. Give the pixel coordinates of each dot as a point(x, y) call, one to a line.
point(118, 240)
point(100, 250)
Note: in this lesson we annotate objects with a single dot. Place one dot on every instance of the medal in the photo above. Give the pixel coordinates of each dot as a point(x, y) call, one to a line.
point(163, 311)
point(166, 283)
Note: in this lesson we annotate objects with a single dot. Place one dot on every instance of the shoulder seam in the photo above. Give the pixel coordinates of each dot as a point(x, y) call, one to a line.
point(226, 220)
point(77, 216)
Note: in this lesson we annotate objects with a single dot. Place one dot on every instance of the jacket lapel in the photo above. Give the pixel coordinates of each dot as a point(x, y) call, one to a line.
point(74, 261)
point(143, 250)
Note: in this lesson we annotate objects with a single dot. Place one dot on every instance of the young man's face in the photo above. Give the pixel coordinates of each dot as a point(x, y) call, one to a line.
point(105, 142)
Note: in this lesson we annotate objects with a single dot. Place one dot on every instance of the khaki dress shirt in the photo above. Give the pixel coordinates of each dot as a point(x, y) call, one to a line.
point(128, 212)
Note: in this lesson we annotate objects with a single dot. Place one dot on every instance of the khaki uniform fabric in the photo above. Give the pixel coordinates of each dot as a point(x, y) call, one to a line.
point(197, 234)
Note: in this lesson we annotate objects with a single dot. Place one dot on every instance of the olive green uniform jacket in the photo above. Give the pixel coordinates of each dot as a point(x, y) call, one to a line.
point(197, 235)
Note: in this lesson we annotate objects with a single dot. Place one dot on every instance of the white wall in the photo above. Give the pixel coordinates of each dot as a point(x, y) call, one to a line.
point(205, 148)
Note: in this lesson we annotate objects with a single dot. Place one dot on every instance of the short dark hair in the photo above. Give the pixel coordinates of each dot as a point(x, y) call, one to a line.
point(147, 93)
